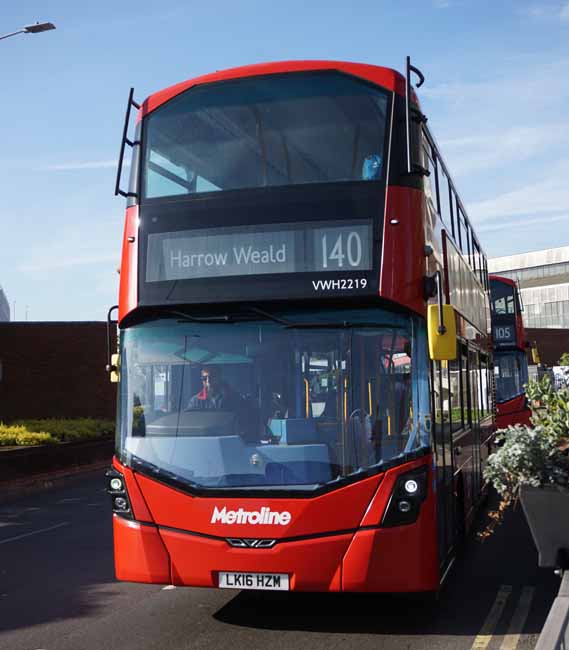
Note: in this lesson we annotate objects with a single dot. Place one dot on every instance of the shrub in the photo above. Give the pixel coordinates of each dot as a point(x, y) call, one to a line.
point(531, 456)
point(20, 436)
point(67, 430)
point(550, 409)
point(527, 457)
point(564, 359)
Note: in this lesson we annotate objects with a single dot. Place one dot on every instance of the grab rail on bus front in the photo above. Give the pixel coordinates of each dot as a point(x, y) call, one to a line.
point(124, 142)
point(110, 367)
point(417, 116)
point(520, 297)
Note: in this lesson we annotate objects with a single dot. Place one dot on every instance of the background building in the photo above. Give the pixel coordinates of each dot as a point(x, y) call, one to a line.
point(543, 278)
point(4, 307)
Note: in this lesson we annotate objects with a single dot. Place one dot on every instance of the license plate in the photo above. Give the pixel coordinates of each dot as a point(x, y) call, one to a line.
point(270, 581)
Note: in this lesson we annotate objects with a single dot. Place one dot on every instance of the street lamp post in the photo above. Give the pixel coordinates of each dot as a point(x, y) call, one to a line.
point(36, 28)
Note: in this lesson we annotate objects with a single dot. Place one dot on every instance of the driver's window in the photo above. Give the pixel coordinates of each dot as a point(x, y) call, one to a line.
point(382, 411)
point(322, 378)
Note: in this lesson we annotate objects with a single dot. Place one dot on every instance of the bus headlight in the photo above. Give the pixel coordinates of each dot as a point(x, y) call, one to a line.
point(120, 504)
point(116, 487)
point(409, 492)
point(411, 486)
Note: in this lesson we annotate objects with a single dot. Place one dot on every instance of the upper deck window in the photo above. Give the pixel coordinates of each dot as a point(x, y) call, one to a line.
point(502, 298)
point(266, 131)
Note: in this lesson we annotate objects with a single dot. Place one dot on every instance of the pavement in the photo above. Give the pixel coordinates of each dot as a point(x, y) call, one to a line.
point(58, 592)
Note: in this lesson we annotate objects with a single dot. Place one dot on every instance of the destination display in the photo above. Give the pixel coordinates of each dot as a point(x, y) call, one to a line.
point(504, 334)
point(304, 247)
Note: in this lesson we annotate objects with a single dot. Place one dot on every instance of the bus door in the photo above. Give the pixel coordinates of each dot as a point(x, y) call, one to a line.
point(486, 420)
point(475, 415)
point(463, 448)
point(443, 389)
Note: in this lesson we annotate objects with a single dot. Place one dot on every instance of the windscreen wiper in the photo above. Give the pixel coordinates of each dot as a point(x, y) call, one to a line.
point(269, 316)
point(156, 471)
point(319, 325)
point(346, 324)
point(183, 317)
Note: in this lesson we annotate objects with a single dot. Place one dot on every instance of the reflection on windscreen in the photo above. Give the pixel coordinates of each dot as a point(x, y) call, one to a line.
point(256, 404)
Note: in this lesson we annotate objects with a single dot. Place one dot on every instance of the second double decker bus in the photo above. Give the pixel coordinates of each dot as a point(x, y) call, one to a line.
point(303, 318)
point(510, 353)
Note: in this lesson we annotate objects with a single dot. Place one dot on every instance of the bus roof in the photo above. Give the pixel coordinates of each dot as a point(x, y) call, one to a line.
point(385, 77)
point(499, 278)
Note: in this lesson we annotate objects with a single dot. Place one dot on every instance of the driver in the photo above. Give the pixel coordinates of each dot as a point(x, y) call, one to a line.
point(214, 394)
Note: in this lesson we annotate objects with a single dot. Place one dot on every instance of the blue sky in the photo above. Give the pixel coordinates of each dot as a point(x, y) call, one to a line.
point(496, 94)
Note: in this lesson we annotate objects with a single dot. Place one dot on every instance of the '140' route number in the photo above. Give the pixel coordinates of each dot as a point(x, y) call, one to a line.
point(351, 249)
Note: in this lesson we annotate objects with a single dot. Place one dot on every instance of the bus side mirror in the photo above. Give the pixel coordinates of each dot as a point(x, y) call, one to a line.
point(113, 369)
point(442, 335)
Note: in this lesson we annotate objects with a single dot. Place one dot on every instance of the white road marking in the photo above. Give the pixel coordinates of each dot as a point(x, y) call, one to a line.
point(167, 588)
point(514, 632)
point(482, 641)
point(73, 500)
point(10, 523)
point(35, 532)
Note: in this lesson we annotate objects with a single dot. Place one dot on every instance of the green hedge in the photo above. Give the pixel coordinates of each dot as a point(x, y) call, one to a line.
point(13, 436)
point(68, 430)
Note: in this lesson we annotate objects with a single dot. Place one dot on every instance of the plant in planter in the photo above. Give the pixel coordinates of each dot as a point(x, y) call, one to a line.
point(532, 463)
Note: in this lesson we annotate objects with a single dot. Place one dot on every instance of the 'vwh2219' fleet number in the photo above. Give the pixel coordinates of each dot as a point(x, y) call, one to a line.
point(344, 284)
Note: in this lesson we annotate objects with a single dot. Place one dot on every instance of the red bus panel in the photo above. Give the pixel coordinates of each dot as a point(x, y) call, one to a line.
point(140, 555)
point(332, 543)
point(514, 411)
point(341, 509)
point(385, 77)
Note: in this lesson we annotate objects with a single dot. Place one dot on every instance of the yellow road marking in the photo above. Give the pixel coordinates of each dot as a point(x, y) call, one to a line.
point(512, 637)
point(482, 641)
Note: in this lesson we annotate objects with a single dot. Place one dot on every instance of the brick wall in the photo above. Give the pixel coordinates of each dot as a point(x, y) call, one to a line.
point(54, 370)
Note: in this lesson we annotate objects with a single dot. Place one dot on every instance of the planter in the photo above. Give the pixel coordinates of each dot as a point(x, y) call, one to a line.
point(547, 513)
point(26, 462)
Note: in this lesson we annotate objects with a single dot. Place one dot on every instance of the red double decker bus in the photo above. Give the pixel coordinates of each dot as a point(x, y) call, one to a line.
point(304, 357)
point(510, 353)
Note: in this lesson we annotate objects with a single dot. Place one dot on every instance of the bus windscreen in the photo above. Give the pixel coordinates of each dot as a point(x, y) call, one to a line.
point(254, 403)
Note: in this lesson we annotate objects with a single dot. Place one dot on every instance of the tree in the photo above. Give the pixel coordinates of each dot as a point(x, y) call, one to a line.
point(564, 359)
